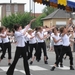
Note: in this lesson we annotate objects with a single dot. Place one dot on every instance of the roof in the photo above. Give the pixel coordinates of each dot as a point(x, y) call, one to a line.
point(11, 3)
point(58, 14)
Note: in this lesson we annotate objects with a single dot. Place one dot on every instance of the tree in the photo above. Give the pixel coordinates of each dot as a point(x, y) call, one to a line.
point(38, 21)
point(22, 19)
point(48, 10)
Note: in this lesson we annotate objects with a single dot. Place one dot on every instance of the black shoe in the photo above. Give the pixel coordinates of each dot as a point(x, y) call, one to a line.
point(61, 65)
point(9, 64)
point(31, 62)
point(46, 62)
point(52, 69)
point(38, 60)
point(71, 68)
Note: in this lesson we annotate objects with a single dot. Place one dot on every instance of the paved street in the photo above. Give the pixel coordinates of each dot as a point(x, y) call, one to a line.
point(38, 68)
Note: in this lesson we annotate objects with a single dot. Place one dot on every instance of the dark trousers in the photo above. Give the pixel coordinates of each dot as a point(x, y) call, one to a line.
point(40, 46)
point(7, 46)
point(1, 46)
point(19, 51)
point(58, 50)
point(32, 46)
point(65, 50)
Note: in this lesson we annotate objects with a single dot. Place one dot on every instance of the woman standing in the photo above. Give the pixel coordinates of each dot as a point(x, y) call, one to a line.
point(66, 49)
point(20, 49)
point(57, 44)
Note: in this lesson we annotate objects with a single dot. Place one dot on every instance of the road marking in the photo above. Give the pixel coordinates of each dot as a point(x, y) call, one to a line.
point(62, 68)
point(6, 68)
point(37, 68)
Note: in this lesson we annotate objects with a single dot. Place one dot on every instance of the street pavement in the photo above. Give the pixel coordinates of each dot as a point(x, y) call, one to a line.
point(38, 68)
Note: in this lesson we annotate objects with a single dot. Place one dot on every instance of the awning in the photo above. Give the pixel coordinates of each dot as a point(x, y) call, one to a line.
point(68, 5)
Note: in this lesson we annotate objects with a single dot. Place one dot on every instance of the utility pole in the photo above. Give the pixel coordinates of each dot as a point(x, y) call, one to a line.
point(10, 1)
point(10, 5)
point(34, 9)
point(30, 6)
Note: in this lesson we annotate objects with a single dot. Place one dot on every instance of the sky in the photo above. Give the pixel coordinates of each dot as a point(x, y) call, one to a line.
point(38, 7)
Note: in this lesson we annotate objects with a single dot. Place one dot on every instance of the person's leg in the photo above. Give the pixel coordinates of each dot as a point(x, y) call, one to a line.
point(60, 58)
point(45, 52)
point(9, 53)
point(1, 45)
point(3, 52)
point(12, 66)
point(56, 52)
point(26, 66)
point(60, 50)
point(70, 57)
point(35, 46)
point(38, 52)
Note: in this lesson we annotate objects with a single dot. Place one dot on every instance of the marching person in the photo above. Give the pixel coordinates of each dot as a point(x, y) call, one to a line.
point(57, 44)
point(41, 43)
point(20, 49)
point(66, 49)
point(32, 44)
point(6, 44)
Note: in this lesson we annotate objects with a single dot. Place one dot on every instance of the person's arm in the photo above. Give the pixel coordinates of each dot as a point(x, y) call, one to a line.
point(3, 36)
point(28, 26)
point(41, 38)
point(10, 33)
point(56, 41)
point(49, 29)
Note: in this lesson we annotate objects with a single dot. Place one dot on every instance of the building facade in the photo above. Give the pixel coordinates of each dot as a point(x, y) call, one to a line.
point(58, 18)
point(7, 9)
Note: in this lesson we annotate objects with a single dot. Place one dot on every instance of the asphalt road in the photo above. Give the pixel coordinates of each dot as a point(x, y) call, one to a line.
point(37, 68)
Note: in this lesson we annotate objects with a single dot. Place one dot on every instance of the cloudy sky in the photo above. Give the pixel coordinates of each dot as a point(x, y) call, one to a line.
point(38, 7)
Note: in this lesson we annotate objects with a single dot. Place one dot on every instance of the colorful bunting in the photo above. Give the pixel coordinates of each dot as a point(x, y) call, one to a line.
point(62, 4)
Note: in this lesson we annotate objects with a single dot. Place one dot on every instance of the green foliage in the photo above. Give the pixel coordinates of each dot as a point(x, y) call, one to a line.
point(22, 19)
point(48, 10)
point(39, 21)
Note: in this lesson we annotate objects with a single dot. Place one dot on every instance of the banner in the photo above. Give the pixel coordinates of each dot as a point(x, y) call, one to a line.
point(62, 2)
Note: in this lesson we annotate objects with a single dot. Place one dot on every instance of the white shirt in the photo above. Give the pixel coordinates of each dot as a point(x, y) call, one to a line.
point(57, 37)
point(6, 39)
point(33, 40)
point(19, 38)
point(0, 39)
point(66, 41)
point(26, 37)
point(41, 35)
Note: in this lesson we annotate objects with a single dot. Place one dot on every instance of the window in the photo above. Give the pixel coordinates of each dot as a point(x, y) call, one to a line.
point(8, 10)
point(60, 23)
point(15, 8)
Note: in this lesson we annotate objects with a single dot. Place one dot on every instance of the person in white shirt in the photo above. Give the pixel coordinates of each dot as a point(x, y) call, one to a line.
point(66, 49)
point(1, 43)
point(6, 44)
point(41, 43)
point(20, 49)
point(32, 44)
point(57, 44)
